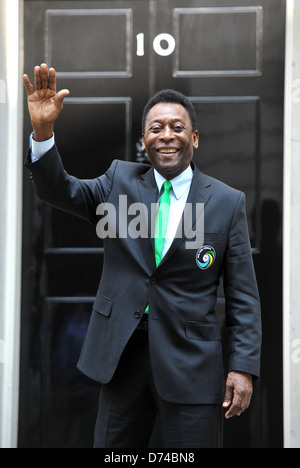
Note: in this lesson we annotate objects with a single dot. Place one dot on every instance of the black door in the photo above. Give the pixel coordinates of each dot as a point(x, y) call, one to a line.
point(228, 57)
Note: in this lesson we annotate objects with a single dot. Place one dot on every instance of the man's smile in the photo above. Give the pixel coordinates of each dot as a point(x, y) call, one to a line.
point(167, 150)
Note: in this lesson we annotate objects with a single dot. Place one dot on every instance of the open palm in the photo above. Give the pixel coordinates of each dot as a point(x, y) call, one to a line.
point(44, 104)
point(44, 107)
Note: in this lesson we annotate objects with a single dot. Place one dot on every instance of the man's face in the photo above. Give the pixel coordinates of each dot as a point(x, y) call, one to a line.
point(169, 139)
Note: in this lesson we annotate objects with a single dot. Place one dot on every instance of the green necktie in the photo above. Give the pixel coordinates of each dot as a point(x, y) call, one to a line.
point(161, 222)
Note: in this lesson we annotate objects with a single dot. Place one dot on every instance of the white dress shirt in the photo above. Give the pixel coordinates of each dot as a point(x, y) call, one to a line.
point(178, 194)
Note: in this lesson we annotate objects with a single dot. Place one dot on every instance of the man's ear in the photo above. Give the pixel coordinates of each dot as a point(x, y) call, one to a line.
point(195, 139)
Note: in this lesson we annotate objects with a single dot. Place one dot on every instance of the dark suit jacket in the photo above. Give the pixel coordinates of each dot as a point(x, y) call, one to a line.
point(184, 336)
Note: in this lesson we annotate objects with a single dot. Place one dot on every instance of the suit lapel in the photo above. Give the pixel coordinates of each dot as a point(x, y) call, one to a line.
point(149, 195)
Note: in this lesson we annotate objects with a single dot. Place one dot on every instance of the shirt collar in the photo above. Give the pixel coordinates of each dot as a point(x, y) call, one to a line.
point(180, 184)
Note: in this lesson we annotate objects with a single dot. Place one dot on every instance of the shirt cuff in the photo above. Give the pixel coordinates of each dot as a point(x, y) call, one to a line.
point(39, 148)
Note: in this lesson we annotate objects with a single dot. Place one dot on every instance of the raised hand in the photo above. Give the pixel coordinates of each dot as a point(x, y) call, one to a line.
point(44, 103)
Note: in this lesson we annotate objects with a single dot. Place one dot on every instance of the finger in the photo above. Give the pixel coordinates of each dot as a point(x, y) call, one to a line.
point(44, 75)
point(28, 85)
point(234, 410)
point(234, 399)
point(52, 79)
point(37, 78)
point(239, 404)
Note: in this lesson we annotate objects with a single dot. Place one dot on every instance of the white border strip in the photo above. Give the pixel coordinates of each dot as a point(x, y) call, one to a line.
point(287, 223)
point(13, 181)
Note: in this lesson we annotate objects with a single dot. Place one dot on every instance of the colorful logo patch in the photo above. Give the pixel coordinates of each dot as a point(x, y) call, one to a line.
point(205, 257)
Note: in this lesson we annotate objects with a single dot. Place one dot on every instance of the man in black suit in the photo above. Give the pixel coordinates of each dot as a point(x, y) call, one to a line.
point(153, 340)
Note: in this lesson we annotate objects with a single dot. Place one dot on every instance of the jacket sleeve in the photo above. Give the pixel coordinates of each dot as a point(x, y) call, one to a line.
point(243, 316)
point(56, 187)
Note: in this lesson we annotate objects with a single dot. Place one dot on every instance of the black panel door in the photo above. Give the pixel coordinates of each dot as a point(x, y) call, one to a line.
point(228, 57)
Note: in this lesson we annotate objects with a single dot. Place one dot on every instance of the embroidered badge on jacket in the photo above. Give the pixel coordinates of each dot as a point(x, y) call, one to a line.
point(205, 257)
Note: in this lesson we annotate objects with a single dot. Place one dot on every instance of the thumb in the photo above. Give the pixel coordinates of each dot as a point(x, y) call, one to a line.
point(228, 397)
point(62, 94)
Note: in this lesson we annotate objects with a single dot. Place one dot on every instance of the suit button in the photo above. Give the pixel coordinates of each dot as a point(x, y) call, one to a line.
point(153, 280)
point(137, 314)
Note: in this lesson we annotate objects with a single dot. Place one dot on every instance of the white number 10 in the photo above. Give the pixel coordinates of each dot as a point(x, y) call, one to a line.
point(140, 44)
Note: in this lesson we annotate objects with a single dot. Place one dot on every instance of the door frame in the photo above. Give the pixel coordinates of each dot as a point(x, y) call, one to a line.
point(291, 226)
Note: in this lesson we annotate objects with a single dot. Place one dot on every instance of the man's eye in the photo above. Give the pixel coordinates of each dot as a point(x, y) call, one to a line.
point(178, 128)
point(155, 129)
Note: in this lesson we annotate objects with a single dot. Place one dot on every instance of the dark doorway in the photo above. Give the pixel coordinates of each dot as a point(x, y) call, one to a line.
point(228, 57)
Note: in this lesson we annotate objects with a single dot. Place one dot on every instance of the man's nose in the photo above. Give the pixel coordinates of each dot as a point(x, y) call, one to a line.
point(167, 133)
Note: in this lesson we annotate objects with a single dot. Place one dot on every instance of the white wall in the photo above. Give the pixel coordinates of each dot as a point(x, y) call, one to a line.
point(3, 129)
point(291, 250)
point(11, 215)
